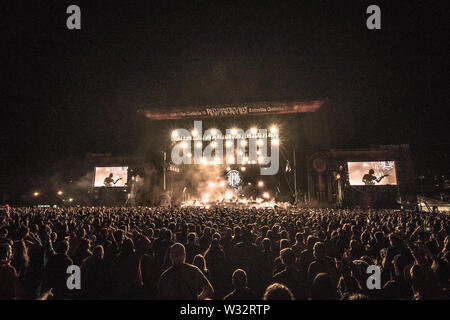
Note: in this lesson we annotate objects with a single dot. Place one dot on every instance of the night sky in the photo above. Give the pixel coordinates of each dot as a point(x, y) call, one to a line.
point(65, 93)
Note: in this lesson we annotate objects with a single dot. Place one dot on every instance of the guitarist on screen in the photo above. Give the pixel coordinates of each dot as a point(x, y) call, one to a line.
point(109, 181)
point(369, 179)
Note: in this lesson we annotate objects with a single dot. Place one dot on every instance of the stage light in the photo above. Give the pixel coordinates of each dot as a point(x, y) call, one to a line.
point(253, 130)
point(174, 133)
point(228, 168)
point(275, 142)
point(198, 144)
point(243, 143)
point(273, 129)
point(338, 176)
point(194, 133)
point(70, 199)
point(213, 132)
point(243, 169)
point(253, 162)
point(36, 194)
point(211, 184)
point(260, 159)
point(214, 144)
point(260, 183)
point(266, 195)
point(204, 161)
point(245, 159)
point(240, 153)
point(228, 195)
point(260, 142)
point(221, 183)
point(249, 183)
point(189, 155)
point(217, 160)
point(258, 152)
point(233, 131)
point(60, 192)
point(228, 143)
point(184, 145)
point(231, 160)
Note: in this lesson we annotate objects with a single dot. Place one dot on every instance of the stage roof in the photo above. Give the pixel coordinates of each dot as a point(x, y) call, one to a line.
point(233, 110)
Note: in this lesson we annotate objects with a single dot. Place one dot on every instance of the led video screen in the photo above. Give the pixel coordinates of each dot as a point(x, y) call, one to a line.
point(373, 173)
point(110, 176)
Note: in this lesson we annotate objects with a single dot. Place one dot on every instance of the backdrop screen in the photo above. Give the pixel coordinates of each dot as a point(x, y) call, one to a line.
point(376, 173)
point(110, 176)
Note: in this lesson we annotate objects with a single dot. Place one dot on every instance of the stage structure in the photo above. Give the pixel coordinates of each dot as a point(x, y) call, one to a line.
point(233, 110)
point(219, 152)
point(379, 176)
point(121, 180)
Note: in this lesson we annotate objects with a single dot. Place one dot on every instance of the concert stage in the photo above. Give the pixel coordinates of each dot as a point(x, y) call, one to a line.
point(267, 152)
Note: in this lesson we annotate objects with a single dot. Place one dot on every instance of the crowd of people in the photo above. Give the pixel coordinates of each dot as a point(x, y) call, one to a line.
point(220, 253)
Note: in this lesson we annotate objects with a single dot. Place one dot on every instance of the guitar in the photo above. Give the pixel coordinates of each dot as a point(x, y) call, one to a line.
point(110, 183)
point(370, 180)
point(383, 176)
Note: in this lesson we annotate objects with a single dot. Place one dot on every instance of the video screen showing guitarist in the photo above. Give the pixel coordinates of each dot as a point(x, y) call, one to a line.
point(370, 179)
point(109, 181)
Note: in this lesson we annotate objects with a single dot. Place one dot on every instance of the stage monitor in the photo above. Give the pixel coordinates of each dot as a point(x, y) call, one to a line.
point(110, 176)
point(372, 173)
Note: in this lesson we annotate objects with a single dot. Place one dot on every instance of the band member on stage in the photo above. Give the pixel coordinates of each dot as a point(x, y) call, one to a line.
point(369, 179)
point(109, 181)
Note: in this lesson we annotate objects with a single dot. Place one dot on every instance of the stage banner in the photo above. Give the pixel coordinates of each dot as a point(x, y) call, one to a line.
point(245, 109)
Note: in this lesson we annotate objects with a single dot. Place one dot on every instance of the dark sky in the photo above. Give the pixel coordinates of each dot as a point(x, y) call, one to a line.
point(66, 93)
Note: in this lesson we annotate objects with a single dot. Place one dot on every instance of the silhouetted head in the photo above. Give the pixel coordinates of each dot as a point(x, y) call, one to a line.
point(323, 288)
point(239, 279)
point(277, 291)
point(177, 253)
point(287, 257)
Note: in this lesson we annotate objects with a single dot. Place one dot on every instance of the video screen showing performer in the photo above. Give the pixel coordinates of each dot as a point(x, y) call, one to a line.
point(373, 173)
point(110, 176)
